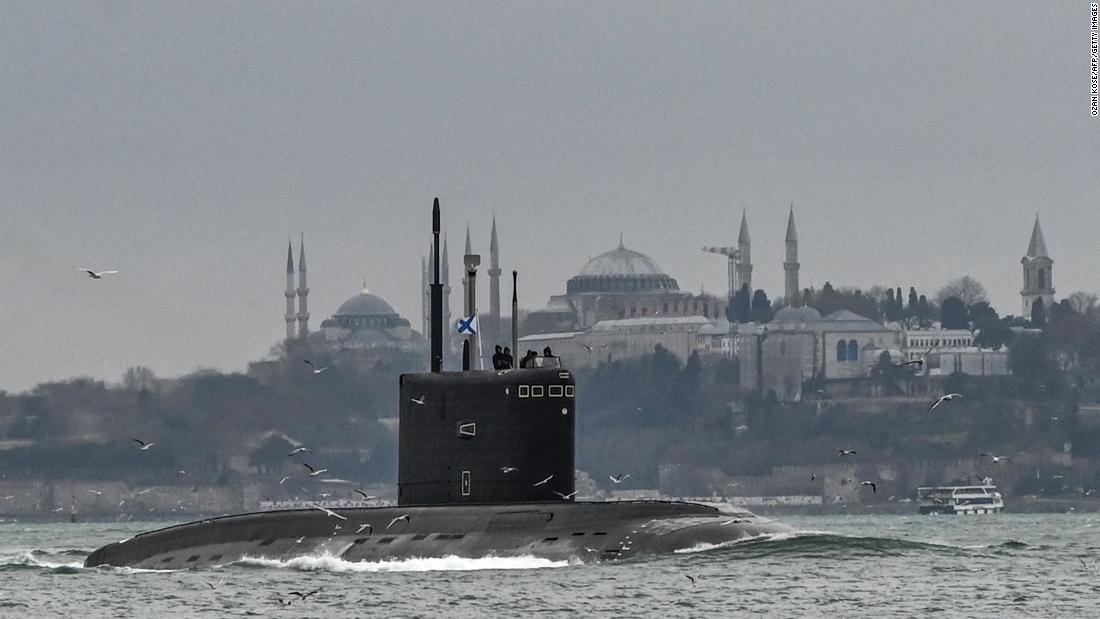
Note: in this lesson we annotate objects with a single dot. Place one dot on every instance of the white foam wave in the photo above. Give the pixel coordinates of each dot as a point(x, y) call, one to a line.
point(331, 563)
point(764, 537)
point(28, 557)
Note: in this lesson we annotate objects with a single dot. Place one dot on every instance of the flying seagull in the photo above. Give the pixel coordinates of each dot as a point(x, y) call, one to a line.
point(508, 469)
point(404, 517)
point(944, 398)
point(314, 472)
point(299, 540)
point(919, 361)
point(874, 488)
point(96, 274)
point(95, 492)
point(366, 497)
point(328, 511)
point(587, 347)
point(316, 370)
point(566, 496)
point(691, 578)
point(214, 585)
point(543, 481)
point(283, 480)
point(144, 446)
point(419, 401)
point(845, 452)
point(365, 525)
point(619, 479)
point(303, 596)
point(995, 459)
point(813, 476)
point(300, 450)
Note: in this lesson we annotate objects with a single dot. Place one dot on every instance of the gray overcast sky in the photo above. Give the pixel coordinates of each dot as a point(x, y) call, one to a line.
point(182, 142)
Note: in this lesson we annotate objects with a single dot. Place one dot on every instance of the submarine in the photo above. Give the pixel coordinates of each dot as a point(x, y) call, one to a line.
point(486, 467)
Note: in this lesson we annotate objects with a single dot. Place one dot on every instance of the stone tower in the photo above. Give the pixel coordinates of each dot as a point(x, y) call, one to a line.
point(791, 292)
point(290, 294)
point(1038, 273)
point(744, 263)
point(303, 291)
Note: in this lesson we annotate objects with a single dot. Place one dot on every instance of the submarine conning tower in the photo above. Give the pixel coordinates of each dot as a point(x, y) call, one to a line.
point(484, 436)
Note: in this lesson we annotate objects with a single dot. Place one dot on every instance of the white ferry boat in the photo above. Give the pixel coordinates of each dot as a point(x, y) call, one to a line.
point(982, 499)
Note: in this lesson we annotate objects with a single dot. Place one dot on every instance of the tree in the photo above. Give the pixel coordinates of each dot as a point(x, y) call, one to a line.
point(740, 305)
point(1083, 303)
point(966, 289)
point(953, 314)
point(761, 307)
point(1038, 313)
point(914, 303)
point(138, 378)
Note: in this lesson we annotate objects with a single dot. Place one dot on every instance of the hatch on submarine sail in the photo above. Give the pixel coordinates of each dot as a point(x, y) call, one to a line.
point(485, 468)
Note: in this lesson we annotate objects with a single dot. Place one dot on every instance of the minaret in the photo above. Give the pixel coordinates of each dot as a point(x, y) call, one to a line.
point(791, 292)
point(744, 264)
point(446, 276)
point(1038, 273)
point(494, 281)
point(289, 291)
point(303, 291)
point(465, 279)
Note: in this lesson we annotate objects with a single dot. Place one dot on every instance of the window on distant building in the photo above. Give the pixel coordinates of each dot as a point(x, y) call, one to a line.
point(853, 351)
point(1042, 279)
point(841, 351)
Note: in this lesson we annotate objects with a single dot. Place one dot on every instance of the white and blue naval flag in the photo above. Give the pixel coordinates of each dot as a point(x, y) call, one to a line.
point(468, 325)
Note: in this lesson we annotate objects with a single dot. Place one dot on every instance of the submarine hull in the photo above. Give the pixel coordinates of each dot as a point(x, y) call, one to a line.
point(585, 531)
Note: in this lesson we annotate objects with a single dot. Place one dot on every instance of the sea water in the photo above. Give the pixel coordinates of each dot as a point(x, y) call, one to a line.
point(835, 566)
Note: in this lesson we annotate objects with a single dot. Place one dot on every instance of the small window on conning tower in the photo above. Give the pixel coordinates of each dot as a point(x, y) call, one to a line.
point(536, 391)
point(525, 391)
point(569, 390)
point(556, 391)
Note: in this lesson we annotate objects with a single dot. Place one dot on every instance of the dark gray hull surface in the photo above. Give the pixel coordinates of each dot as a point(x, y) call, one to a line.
point(553, 530)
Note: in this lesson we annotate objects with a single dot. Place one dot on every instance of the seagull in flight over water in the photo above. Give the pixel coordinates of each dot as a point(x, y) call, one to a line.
point(508, 469)
point(144, 446)
point(316, 370)
point(96, 274)
point(365, 525)
point(874, 488)
point(366, 497)
point(619, 479)
point(944, 398)
point(300, 450)
point(328, 511)
point(314, 472)
point(845, 452)
point(539, 483)
point(566, 496)
point(419, 401)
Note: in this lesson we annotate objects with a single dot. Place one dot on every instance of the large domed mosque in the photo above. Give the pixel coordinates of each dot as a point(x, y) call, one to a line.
point(621, 305)
point(620, 284)
point(367, 321)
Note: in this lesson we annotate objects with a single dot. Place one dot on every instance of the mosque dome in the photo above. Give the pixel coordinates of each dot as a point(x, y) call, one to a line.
point(621, 270)
point(366, 304)
point(797, 314)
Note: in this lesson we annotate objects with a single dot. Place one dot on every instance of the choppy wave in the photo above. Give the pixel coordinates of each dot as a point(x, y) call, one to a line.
point(821, 544)
point(330, 563)
point(36, 560)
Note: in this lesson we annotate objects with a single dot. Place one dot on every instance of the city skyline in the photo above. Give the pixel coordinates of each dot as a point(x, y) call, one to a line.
point(181, 147)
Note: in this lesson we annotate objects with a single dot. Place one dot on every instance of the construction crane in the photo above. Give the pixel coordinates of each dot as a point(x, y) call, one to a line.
point(733, 255)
